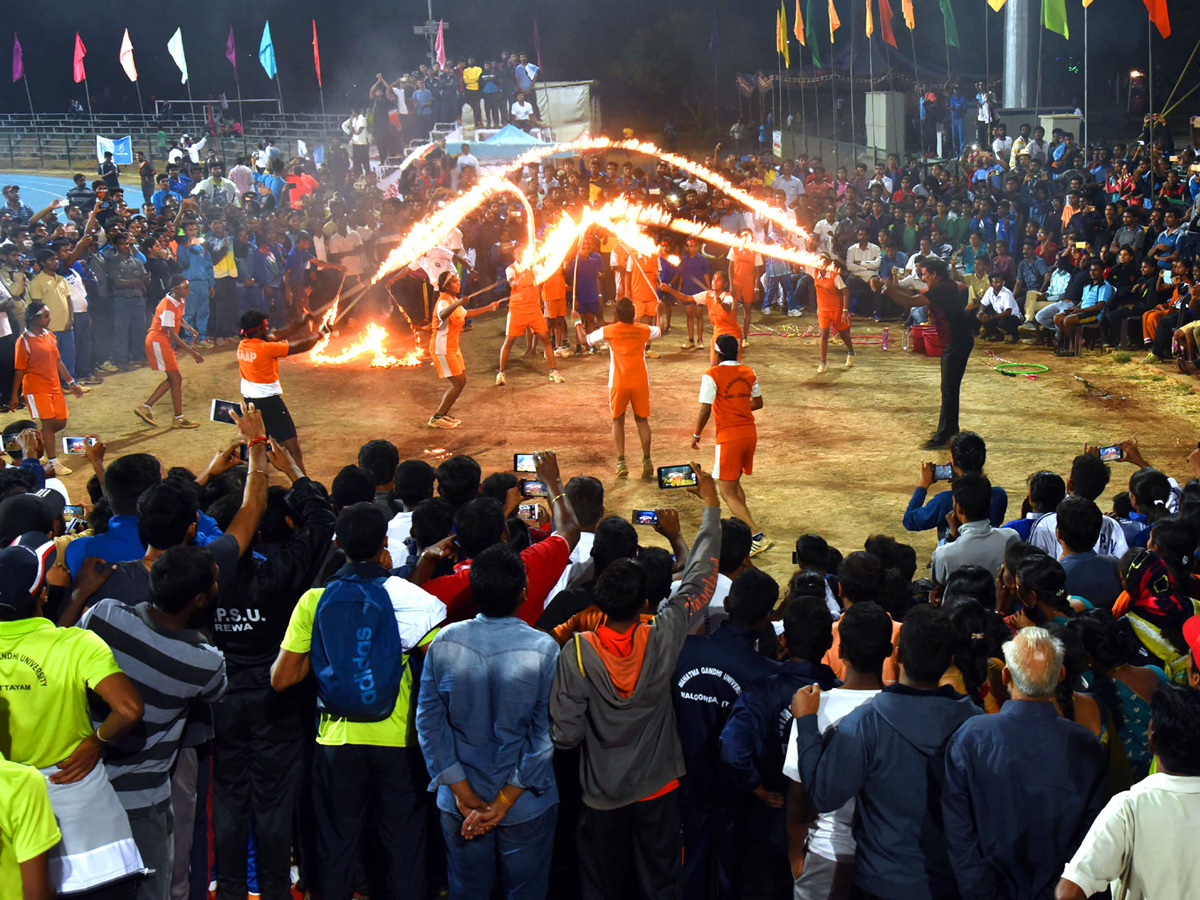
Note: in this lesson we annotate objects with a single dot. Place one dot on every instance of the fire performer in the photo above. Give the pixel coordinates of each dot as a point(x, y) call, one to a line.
point(722, 310)
point(449, 316)
point(258, 354)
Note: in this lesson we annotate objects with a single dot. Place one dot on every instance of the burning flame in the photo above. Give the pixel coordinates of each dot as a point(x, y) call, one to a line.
point(372, 342)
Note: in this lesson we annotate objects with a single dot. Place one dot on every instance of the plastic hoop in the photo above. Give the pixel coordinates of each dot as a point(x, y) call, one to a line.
point(1022, 368)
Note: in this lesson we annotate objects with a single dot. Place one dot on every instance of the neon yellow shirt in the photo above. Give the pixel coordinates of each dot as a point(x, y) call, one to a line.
point(43, 673)
point(471, 77)
point(27, 826)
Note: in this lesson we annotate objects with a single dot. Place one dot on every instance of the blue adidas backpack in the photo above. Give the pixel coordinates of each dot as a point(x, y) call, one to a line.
point(356, 654)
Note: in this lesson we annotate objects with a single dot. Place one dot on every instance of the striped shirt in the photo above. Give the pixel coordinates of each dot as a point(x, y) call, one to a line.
point(172, 669)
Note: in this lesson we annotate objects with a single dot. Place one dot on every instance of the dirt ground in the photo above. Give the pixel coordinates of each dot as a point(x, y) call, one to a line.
point(837, 454)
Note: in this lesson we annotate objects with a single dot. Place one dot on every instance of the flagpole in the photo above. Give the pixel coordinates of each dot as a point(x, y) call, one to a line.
point(33, 116)
point(91, 118)
point(912, 38)
point(279, 87)
point(871, 86)
point(1037, 103)
point(142, 111)
point(241, 113)
point(987, 46)
point(851, 74)
point(1087, 123)
point(833, 84)
point(1150, 95)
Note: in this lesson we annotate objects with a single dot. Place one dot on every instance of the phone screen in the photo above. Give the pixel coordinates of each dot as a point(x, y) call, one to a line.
point(943, 472)
point(645, 517)
point(523, 462)
point(74, 511)
point(221, 410)
point(10, 443)
point(676, 477)
point(1111, 454)
point(76, 444)
point(528, 512)
point(534, 489)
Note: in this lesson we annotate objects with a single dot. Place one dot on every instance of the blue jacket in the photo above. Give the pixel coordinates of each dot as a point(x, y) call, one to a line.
point(1011, 826)
point(123, 542)
point(933, 514)
point(712, 672)
point(196, 263)
point(889, 753)
point(754, 740)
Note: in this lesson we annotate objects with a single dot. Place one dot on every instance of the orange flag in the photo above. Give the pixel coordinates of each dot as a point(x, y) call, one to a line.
point(885, 22)
point(909, 19)
point(799, 28)
point(998, 5)
point(870, 21)
point(834, 24)
point(1158, 15)
point(778, 34)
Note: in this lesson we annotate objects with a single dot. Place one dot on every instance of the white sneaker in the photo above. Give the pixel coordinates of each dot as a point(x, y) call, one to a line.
point(795, 313)
point(556, 377)
point(560, 352)
point(500, 378)
point(59, 469)
point(849, 360)
point(821, 369)
point(757, 547)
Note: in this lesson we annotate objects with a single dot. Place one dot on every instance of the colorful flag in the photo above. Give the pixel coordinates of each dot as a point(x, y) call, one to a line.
point(951, 28)
point(231, 53)
point(799, 27)
point(266, 51)
point(834, 22)
point(80, 53)
point(316, 54)
point(870, 20)
point(1054, 17)
point(1158, 15)
point(783, 36)
point(812, 37)
point(910, 20)
point(439, 46)
point(778, 35)
point(127, 57)
point(885, 22)
point(175, 48)
point(1087, 3)
point(19, 60)
point(998, 5)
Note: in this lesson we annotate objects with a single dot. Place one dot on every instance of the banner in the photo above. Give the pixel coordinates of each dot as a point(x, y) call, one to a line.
point(266, 51)
point(121, 149)
point(126, 57)
point(175, 48)
point(18, 60)
point(80, 52)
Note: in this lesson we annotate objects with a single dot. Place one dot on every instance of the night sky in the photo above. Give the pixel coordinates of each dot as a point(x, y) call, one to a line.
point(579, 40)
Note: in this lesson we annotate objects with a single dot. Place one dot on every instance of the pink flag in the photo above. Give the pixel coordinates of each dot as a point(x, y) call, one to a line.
point(80, 53)
point(231, 52)
point(316, 54)
point(18, 60)
point(439, 47)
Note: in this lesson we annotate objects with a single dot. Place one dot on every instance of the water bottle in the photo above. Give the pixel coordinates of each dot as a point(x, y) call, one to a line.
point(886, 338)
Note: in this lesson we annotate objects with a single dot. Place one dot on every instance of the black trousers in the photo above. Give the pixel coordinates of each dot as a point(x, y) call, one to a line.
point(1111, 321)
point(1163, 332)
point(257, 772)
point(1000, 326)
point(8, 355)
point(649, 833)
point(954, 366)
point(492, 107)
point(360, 157)
point(223, 321)
point(351, 785)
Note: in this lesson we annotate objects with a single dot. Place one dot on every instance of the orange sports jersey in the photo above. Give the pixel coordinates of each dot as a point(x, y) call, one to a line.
point(37, 354)
point(730, 387)
point(555, 287)
point(445, 337)
point(643, 290)
point(525, 297)
point(258, 364)
point(167, 317)
point(626, 350)
point(723, 319)
point(741, 272)
point(829, 288)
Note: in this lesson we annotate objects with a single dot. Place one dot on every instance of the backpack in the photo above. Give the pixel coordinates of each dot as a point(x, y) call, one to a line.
point(357, 655)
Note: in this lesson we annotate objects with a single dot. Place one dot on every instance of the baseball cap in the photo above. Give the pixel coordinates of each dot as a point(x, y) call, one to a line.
point(1191, 636)
point(23, 568)
point(9, 188)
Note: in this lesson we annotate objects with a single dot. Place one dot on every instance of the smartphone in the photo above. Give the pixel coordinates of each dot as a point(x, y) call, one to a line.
point(77, 444)
point(1111, 454)
point(221, 410)
point(1081, 245)
point(530, 489)
point(10, 444)
point(523, 462)
point(528, 512)
point(676, 477)
point(645, 517)
point(74, 511)
point(943, 472)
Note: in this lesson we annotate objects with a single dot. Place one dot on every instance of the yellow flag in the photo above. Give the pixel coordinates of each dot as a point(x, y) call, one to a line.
point(870, 21)
point(1087, 3)
point(834, 24)
point(799, 32)
point(998, 5)
point(909, 19)
point(783, 37)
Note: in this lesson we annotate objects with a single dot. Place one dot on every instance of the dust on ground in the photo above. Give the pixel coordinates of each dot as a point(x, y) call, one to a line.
point(837, 454)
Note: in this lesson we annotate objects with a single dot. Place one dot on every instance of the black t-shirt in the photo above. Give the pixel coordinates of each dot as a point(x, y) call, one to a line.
point(948, 312)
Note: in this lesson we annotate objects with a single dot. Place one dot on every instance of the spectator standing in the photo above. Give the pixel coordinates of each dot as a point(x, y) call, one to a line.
point(127, 279)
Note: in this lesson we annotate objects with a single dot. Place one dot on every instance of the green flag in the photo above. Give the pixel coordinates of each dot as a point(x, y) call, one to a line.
point(951, 28)
point(1054, 16)
point(810, 35)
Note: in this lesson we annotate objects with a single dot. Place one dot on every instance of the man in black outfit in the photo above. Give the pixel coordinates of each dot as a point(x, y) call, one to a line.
point(947, 302)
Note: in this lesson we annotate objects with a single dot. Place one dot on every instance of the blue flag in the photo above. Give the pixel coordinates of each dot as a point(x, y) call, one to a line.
point(266, 51)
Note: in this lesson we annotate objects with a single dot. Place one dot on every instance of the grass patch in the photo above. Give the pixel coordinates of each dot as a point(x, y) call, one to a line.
point(1121, 357)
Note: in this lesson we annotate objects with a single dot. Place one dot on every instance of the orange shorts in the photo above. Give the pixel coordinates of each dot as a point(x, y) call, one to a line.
point(47, 406)
point(734, 458)
point(516, 324)
point(450, 364)
point(832, 316)
point(620, 397)
point(161, 355)
point(556, 307)
point(647, 308)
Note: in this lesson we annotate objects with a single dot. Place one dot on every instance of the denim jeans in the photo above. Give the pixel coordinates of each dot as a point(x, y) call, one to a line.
point(786, 284)
point(1045, 315)
point(129, 328)
point(66, 349)
point(958, 129)
point(198, 308)
point(520, 854)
